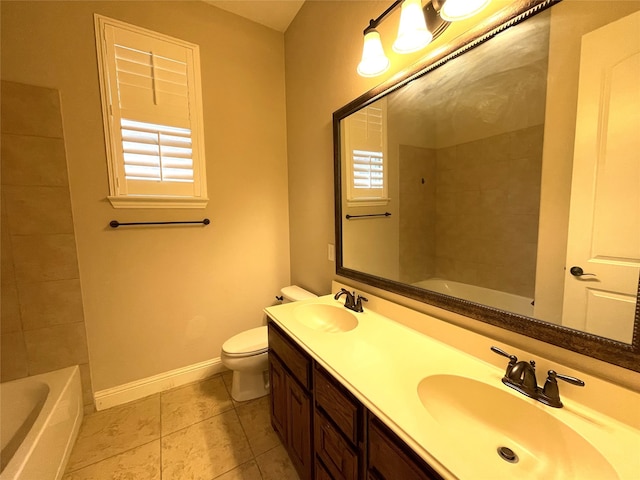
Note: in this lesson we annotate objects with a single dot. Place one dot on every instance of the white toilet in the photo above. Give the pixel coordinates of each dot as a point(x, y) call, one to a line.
point(246, 354)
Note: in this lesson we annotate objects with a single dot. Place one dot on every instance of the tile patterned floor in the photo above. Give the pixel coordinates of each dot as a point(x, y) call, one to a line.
point(194, 432)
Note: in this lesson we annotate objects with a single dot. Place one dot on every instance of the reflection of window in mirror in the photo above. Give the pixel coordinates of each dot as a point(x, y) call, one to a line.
point(365, 135)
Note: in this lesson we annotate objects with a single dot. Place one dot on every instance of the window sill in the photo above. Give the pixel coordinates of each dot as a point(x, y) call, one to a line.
point(368, 202)
point(157, 202)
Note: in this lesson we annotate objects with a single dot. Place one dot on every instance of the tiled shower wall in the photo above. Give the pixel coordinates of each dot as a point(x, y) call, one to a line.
point(484, 228)
point(488, 203)
point(417, 208)
point(43, 326)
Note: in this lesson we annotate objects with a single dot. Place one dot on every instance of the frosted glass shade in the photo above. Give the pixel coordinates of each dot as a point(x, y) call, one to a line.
point(454, 10)
point(374, 62)
point(413, 34)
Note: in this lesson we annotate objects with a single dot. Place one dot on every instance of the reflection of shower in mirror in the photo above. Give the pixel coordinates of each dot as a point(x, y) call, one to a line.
point(486, 296)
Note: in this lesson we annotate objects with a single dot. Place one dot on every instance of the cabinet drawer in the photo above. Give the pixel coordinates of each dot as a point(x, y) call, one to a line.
point(391, 459)
point(337, 403)
point(334, 451)
point(294, 358)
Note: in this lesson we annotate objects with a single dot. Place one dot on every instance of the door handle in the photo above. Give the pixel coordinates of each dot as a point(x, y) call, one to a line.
point(578, 272)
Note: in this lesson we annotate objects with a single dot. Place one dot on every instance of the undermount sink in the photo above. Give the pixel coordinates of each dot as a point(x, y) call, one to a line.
point(326, 318)
point(482, 419)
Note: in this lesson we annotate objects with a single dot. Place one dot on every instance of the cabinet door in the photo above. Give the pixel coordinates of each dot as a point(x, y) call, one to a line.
point(391, 459)
point(321, 472)
point(299, 431)
point(278, 397)
point(340, 458)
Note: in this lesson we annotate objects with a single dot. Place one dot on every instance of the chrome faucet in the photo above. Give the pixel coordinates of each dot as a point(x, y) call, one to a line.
point(352, 301)
point(521, 376)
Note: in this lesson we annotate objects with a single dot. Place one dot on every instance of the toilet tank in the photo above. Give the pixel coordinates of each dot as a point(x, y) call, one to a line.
point(294, 293)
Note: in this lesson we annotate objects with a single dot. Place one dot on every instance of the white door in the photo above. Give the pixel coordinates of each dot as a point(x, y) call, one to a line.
point(604, 221)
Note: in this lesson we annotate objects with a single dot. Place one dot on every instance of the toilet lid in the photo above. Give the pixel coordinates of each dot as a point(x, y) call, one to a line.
point(249, 342)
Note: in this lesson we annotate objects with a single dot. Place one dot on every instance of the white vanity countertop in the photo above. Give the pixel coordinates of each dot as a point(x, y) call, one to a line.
point(382, 362)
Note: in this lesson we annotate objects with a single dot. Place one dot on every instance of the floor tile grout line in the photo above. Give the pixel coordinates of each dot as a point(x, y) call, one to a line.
point(246, 436)
point(235, 468)
point(254, 456)
point(264, 453)
point(194, 423)
point(259, 470)
point(200, 420)
point(163, 435)
point(112, 456)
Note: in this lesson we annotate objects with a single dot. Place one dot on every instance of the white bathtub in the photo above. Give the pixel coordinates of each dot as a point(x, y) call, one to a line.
point(485, 296)
point(40, 417)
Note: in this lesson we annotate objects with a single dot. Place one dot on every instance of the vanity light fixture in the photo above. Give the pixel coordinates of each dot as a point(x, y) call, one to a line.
point(413, 34)
point(454, 10)
point(374, 61)
point(418, 26)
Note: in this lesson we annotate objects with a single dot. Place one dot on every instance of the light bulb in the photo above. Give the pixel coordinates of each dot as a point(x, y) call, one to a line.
point(374, 62)
point(454, 10)
point(413, 34)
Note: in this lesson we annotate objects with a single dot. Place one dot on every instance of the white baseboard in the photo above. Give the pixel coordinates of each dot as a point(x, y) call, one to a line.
point(157, 383)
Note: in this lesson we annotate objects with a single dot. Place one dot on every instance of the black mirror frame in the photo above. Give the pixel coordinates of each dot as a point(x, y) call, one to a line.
point(611, 351)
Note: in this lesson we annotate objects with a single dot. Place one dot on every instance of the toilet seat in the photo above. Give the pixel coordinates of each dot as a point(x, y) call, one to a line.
point(248, 343)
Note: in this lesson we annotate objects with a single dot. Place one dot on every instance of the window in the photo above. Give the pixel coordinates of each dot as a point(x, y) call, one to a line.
point(152, 112)
point(365, 141)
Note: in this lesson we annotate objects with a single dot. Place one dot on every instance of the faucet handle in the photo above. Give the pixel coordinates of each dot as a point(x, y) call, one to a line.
point(359, 303)
point(566, 378)
point(512, 358)
point(550, 393)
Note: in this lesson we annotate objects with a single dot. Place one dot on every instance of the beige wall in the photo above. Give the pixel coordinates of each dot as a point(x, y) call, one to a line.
point(323, 47)
point(157, 299)
point(43, 326)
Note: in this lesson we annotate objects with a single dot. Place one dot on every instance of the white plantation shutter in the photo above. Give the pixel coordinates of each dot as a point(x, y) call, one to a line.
point(366, 143)
point(153, 116)
point(156, 152)
point(368, 169)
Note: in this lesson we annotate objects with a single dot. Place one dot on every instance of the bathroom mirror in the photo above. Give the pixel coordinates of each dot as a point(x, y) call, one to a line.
point(469, 182)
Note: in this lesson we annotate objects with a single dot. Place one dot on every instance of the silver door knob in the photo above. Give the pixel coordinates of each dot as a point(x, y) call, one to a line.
point(578, 272)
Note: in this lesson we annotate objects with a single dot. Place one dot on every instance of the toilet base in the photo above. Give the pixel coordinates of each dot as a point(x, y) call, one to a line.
point(249, 385)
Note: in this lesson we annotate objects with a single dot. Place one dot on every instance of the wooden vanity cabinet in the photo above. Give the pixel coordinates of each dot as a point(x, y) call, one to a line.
point(327, 432)
point(290, 377)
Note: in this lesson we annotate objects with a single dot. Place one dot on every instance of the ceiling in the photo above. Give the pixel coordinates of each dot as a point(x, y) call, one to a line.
point(275, 14)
